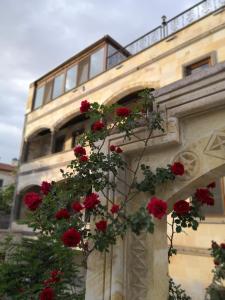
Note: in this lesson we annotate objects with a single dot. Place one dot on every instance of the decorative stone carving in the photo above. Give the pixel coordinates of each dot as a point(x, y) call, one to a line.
point(137, 271)
point(216, 145)
point(191, 163)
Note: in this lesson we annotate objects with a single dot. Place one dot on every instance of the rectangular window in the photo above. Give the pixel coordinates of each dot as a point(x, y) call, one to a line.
point(38, 99)
point(1, 183)
point(59, 143)
point(83, 71)
point(48, 92)
point(218, 209)
point(198, 66)
point(58, 88)
point(75, 136)
point(71, 78)
point(97, 62)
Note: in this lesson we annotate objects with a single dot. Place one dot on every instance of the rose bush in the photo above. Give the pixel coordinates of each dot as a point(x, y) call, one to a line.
point(80, 213)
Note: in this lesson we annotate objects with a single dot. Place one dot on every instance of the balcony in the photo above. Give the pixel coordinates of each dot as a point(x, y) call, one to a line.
point(107, 53)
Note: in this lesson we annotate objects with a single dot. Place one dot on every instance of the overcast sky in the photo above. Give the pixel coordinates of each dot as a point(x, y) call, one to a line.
point(37, 35)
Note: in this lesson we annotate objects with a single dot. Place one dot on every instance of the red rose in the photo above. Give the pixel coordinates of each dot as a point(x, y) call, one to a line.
point(157, 207)
point(91, 201)
point(32, 200)
point(119, 150)
point(76, 206)
point(47, 294)
point(212, 185)
point(204, 196)
point(79, 150)
point(222, 245)
point(48, 282)
point(112, 148)
point(71, 238)
point(85, 106)
point(216, 262)
point(101, 225)
point(177, 169)
point(45, 187)
point(115, 208)
point(215, 245)
point(181, 207)
point(123, 111)
point(97, 126)
point(62, 214)
point(83, 158)
point(55, 275)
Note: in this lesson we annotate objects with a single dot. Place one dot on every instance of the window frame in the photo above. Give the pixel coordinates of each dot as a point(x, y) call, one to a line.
point(77, 62)
point(212, 56)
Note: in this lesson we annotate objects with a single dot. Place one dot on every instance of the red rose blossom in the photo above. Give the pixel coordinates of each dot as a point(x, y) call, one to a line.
point(112, 148)
point(216, 262)
point(55, 275)
point(32, 200)
point(222, 245)
point(101, 225)
point(204, 196)
point(115, 208)
point(97, 126)
point(76, 206)
point(91, 201)
point(71, 237)
point(119, 150)
point(45, 187)
point(123, 111)
point(83, 158)
point(47, 294)
point(177, 168)
point(215, 245)
point(62, 214)
point(79, 150)
point(212, 185)
point(157, 207)
point(85, 106)
point(181, 207)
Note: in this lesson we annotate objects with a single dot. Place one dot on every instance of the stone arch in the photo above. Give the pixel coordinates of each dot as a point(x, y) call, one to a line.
point(20, 210)
point(204, 162)
point(66, 118)
point(37, 144)
point(36, 131)
point(135, 87)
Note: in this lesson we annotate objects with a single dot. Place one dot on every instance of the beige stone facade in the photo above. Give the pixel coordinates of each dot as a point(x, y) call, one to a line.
point(193, 108)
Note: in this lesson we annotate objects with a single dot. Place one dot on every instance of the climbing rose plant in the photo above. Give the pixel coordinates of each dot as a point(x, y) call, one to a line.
point(81, 213)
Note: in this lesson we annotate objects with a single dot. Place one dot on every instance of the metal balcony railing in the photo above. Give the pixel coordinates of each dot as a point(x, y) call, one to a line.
point(167, 28)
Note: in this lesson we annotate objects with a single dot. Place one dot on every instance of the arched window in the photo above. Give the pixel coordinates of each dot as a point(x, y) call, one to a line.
point(67, 135)
point(38, 145)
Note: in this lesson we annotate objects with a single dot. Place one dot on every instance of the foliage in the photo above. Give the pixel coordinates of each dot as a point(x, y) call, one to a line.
point(29, 262)
point(6, 198)
point(82, 211)
point(216, 291)
point(176, 292)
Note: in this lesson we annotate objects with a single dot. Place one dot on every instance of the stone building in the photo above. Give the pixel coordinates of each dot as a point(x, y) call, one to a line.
point(183, 60)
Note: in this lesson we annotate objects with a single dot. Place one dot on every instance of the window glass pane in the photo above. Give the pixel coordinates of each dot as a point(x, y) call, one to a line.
point(59, 143)
point(97, 63)
point(58, 86)
point(83, 71)
point(48, 92)
point(1, 183)
point(38, 100)
point(71, 78)
point(199, 66)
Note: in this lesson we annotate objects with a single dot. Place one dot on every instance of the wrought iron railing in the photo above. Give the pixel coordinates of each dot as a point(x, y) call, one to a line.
point(167, 28)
